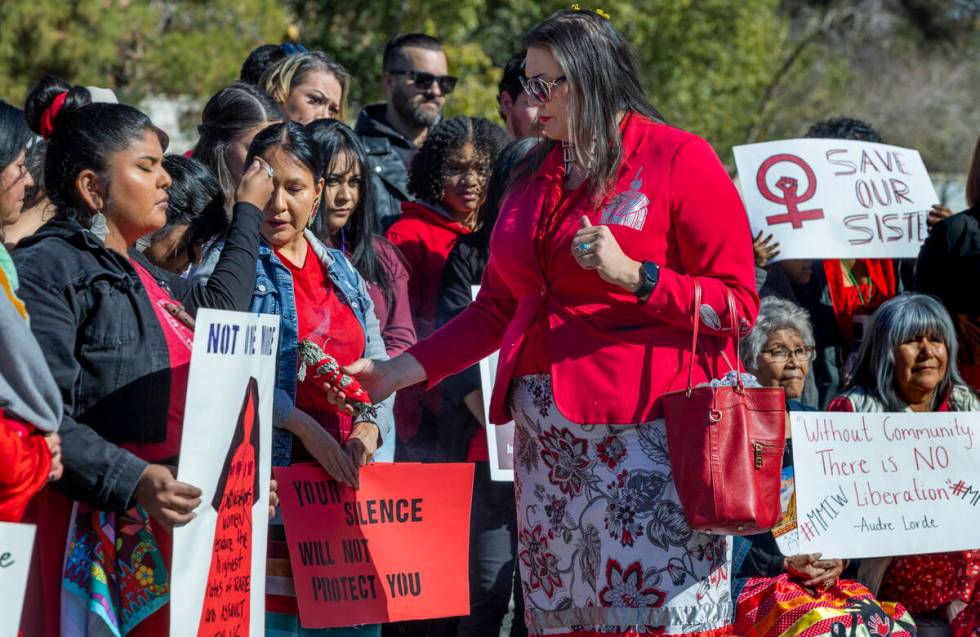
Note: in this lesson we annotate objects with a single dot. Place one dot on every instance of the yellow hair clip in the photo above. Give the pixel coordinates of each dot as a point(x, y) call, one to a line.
point(602, 13)
point(576, 7)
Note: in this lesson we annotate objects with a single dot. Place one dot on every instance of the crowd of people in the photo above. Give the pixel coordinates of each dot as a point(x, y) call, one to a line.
point(591, 226)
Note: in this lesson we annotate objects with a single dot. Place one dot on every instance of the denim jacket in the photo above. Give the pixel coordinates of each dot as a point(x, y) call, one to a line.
point(273, 294)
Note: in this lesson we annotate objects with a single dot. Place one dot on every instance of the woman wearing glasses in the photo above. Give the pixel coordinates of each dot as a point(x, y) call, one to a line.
point(772, 590)
point(589, 294)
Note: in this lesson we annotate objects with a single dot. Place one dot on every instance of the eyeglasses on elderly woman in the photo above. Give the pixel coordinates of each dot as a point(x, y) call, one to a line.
point(782, 355)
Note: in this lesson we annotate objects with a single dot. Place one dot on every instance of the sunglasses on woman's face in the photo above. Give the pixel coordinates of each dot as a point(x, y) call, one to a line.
point(539, 88)
point(447, 83)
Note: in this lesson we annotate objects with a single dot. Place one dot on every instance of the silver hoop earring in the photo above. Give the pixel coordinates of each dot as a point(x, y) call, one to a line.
point(99, 226)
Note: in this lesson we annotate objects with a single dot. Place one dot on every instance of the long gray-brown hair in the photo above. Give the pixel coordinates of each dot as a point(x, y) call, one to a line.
point(603, 83)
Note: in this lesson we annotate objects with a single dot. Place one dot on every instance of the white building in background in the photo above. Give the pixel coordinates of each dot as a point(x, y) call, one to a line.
point(178, 116)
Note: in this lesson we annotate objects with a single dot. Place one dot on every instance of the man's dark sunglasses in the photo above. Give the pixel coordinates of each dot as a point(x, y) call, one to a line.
point(447, 83)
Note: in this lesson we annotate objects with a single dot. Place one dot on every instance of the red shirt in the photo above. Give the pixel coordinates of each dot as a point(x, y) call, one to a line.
point(425, 238)
point(610, 358)
point(180, 343)
point(331, 324)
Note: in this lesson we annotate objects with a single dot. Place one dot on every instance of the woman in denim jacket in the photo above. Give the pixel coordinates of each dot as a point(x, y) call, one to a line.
point(320, 297)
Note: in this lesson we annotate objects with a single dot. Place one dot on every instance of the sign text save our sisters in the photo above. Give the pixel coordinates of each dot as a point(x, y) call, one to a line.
point(836, 199)
point(870, 485)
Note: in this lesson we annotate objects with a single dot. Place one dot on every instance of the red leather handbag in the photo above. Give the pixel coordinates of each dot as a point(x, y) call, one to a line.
point(726, 447)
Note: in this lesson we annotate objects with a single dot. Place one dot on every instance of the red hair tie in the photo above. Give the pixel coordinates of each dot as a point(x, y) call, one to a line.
point(49, 115)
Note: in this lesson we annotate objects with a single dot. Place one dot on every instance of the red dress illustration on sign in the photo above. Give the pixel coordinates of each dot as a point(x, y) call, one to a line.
point(226, 599)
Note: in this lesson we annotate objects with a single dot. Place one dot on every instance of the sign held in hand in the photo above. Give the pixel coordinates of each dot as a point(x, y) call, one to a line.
point(885, 484)
point(836, 199)
point(395, 549)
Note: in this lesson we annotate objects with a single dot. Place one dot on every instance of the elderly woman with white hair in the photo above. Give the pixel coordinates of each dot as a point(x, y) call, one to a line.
point(776, 594)
point(780, 348)
point(907, 362)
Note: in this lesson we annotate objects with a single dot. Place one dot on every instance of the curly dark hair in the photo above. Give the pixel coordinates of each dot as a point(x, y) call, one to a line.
point(429, 173)
point(844, 128)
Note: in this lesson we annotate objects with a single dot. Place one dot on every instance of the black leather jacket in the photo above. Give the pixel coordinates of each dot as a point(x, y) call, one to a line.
point(389, 155)
point(101, 338)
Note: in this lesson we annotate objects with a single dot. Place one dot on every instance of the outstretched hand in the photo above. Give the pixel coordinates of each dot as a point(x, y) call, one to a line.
point(380, 379)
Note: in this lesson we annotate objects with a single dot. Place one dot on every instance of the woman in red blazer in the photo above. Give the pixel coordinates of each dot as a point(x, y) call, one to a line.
point(588, 295)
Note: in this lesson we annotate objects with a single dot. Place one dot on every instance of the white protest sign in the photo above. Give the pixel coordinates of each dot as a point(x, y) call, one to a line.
point(218, 574)
point(836, 199)
point(873, 485)
point(500, 438)
point(16, 546)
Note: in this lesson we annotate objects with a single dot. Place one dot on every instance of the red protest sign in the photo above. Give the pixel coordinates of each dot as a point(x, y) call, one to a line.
point(395, 549)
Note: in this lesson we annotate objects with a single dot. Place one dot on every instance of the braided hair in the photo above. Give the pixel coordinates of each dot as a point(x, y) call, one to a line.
point(429, 171)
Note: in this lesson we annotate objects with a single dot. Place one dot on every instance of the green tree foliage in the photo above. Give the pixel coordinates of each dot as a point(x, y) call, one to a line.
point(705, 64)
point(137, 47)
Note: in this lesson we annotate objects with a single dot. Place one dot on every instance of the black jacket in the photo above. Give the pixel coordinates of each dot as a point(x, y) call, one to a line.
point(389, 155)
point(949, 262)
point(106, 349)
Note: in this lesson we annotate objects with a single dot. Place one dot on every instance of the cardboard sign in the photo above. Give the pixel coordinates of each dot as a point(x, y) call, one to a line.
point(16, 546)
point(836, 199)
point(500, 438)
point(395, 549)
point(218, 575)
point(871, 485)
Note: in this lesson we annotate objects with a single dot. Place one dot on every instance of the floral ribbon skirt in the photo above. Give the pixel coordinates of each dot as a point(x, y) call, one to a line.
point(603, 544)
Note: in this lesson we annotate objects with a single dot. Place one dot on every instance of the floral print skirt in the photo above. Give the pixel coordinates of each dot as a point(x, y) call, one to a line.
point(603, 544)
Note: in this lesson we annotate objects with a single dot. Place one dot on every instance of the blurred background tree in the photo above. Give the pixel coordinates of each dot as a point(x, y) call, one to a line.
point(732, 71)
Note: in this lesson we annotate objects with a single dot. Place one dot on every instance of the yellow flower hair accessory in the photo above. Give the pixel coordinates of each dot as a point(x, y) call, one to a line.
point(598, 12)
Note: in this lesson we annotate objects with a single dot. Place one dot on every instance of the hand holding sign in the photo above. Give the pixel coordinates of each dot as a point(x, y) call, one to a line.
point(395, 549)
point(765, 249)
point(324, 448)
point(171, 503)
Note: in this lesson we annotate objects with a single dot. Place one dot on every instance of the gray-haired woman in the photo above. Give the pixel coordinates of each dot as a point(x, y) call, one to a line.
point(907, 362)
point(778, 351)
point(780, 347)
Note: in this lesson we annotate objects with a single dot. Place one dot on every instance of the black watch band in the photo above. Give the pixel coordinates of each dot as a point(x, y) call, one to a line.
point(650, 274)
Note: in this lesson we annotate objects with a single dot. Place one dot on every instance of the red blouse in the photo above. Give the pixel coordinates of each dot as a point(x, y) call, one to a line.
point(331, 324)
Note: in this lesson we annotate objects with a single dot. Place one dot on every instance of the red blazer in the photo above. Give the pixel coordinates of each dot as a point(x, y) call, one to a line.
point(611, 359)
point(425, 238)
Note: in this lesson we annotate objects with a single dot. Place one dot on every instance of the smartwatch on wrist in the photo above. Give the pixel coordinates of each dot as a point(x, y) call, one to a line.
point(650, 275)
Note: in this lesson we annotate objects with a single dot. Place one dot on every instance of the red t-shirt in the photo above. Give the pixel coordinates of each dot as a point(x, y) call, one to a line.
point(326, 320)
point(180, 343)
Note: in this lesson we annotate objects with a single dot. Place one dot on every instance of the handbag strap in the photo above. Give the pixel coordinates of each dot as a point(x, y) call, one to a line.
point(694, 336)
point(733, 316)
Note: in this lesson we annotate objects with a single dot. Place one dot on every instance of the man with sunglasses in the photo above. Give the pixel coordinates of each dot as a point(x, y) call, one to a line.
point(416, 83)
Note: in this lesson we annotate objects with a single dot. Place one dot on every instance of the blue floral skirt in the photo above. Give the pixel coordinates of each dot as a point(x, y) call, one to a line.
point(603, 544)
